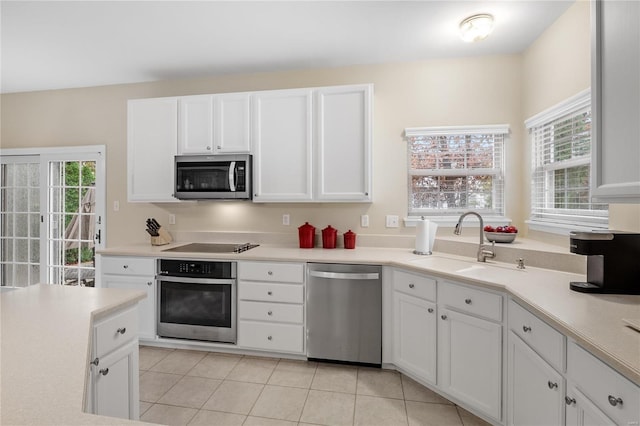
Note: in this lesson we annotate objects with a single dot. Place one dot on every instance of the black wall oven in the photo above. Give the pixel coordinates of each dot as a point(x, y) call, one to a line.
point(197, 300)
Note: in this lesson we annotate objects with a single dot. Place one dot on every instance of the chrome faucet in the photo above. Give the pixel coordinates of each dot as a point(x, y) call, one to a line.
point(483, 252)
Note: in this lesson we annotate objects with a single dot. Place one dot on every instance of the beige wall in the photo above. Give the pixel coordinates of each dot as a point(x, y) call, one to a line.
point(555, 67)
point(482, 90)
point(478, 90)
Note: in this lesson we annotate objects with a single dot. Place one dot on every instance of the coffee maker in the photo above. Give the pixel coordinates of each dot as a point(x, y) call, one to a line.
point(613, 261)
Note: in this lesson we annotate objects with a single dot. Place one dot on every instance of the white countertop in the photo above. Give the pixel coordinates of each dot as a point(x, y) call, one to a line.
point(594, 321)
point(45, 350)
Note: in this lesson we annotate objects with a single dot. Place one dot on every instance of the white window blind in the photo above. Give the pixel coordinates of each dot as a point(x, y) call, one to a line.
point(561, 165)
point(455, 169)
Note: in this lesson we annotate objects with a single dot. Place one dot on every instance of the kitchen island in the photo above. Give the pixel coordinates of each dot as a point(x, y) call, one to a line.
point(45, 350)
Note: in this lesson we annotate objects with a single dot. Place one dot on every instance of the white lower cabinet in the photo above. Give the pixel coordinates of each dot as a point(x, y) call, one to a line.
point(535, 390)
point(414, 324)
point(271, 306)
point(114, 376)
point(582, 412)
point(136, 273)
point(470, 360)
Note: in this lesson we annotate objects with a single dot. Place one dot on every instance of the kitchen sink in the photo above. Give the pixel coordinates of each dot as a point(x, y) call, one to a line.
point(471, 268)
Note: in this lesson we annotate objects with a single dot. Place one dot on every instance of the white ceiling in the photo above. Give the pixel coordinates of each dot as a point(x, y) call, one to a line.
point(64, 44)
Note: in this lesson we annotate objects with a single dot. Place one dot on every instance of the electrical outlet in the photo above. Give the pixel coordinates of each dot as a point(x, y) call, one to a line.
point(392, 221)
point(116, 206)
point(364, 220)
point(286, 219)
point(172, 219)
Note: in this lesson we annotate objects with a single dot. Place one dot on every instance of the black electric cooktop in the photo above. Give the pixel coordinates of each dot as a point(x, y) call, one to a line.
point(212, 248)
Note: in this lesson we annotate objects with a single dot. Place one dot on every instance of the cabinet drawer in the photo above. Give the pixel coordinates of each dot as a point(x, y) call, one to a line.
point(269, 336)
point(128, 265)
point(471, 300)
point(115, 331)
point(603, 386)
point(269, 292)
point(414, 285)
point(272, 272)
point(543, 339)
point(273, 312)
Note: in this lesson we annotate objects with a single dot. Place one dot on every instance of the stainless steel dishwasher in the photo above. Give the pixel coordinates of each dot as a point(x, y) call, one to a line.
point(344, 313)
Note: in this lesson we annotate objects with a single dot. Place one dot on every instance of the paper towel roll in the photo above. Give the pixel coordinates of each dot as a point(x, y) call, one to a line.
point(422, 236)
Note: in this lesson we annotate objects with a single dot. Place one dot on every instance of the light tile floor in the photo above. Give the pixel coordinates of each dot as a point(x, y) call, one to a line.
point(185, 387)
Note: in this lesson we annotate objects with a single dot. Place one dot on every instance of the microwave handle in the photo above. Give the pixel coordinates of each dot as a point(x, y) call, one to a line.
point(232, 176)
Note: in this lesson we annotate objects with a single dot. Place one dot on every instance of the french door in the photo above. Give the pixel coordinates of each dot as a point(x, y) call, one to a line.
point(52, 216)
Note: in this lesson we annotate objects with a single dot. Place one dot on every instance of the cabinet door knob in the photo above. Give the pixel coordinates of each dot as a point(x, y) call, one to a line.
point(208, 148)
point(444, 317)
point(526, 328)
point(614, 401)
point(552, 385)
point(467, 301)
point(430, 310)
point(125, 266)
point(270, 313)
point(149, 283)
point(270, 273)
point(269, 338)
point(95, 362)
point(219, 147)
point(269, 292)
point(569, 401)
point(411, 285)
point(122, 330)
point(104, 371)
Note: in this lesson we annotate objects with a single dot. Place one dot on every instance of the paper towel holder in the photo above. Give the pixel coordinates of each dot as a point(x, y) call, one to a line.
point(423, 252)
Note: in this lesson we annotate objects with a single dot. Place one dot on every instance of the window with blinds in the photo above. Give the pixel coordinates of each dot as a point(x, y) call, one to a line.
point(455, 169)
point(561, 165)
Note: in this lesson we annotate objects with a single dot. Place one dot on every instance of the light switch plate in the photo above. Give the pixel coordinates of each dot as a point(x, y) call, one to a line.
point(364, 220)
point(286, 219)
point(392, 221)
point(172, 219)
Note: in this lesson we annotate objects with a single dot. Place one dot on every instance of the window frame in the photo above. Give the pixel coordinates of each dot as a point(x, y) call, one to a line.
point(450, 217)
point(562, 221)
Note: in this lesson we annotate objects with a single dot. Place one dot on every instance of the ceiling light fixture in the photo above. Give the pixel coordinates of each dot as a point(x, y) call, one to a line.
point(476, 27)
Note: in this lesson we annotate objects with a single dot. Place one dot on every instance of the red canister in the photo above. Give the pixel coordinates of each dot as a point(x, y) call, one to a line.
point(306, 234)
point(349, 239)
point(329, 236)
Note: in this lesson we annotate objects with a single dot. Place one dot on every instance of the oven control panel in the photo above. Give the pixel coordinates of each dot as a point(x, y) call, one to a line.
point(196, 268)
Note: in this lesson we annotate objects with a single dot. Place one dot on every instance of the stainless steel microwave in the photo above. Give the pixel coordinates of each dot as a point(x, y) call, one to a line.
point(213, 177)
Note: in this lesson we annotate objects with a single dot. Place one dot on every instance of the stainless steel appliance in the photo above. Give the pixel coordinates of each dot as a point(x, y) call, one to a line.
point(205, 177)
point(197, 300)
point(344, 313)
point(612, 261)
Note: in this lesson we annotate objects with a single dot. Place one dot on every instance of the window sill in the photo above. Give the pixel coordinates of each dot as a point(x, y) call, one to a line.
point(451, 221)
point(562, 228)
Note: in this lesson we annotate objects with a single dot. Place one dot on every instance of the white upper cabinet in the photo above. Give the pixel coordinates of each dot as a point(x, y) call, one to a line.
point(232, 123)
point(282, 133)
point(196, 125)
point(214, 124)
point(343, 143)
point(616, 101)
point(152, 133)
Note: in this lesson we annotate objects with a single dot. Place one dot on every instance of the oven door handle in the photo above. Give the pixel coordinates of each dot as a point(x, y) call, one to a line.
point(188, 280)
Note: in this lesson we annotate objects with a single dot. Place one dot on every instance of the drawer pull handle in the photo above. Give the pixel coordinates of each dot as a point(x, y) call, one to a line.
point(430, 310)
point(125, 266)
point(270, 273)
point(122, 330)
point(269, 313)
point(569, 401)
point(552, 385)
point(467, 301)
point(104, 371)
point(444, 317)
point(95, 362)
point(269, 292)
point(411, 285)
point(526, 328)
point(614, 401)
point(269, 338)
point(149, 283)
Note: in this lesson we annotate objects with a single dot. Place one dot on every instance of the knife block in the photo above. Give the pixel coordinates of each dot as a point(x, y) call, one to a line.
point(163, 238)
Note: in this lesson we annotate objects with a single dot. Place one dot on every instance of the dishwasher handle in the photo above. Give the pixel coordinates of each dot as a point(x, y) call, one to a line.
point(345, 275)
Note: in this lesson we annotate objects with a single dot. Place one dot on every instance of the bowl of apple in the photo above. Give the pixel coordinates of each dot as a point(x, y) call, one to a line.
point(500, 234)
